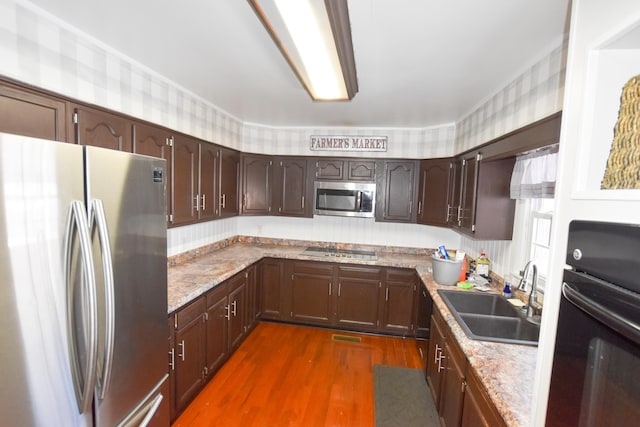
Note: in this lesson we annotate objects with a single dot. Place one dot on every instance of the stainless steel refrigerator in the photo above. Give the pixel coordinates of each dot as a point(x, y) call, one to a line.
point(83, 286)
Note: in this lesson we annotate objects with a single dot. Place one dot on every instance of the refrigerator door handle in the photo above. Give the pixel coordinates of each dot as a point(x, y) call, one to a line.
point(83, 379)
point(98, 218)
point(152, 411)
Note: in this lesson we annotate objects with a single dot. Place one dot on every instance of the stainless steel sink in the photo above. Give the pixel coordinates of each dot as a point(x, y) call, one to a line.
point(490, 317)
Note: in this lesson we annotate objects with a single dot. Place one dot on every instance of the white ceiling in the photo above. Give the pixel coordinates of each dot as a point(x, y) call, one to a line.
point(419, 62)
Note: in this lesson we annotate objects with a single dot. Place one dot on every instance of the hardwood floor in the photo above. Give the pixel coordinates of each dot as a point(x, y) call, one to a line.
point(285, 375)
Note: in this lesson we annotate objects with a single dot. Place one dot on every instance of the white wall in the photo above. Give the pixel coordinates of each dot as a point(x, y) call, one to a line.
point(592, 97)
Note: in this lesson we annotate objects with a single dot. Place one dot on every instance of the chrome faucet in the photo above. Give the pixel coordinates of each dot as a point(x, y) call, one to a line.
point(533, 306)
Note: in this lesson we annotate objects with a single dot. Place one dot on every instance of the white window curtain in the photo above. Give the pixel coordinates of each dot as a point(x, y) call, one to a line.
point(534, 174)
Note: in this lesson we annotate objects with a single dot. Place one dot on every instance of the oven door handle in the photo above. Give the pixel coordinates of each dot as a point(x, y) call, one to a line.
point(626, 327)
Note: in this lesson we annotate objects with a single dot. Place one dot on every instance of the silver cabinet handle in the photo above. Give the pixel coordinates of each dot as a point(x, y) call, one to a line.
point(228, 315)
point(437, 354)
point(302, 202)
point(329, 288)
point(197, 201)
point(419, 207)
point(339, 288)
point(386, 294)
point(235, 306)
point(182, 350)
point(98, 218)
point(204, 202)
point(440, 366)
point(172, 359)
point(83, 379)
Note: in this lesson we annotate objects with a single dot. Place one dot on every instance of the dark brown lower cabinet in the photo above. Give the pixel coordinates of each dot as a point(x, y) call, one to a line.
point(254, 297)
point(271, 274)
point(453, 385)
point(478, 410)
point(204, 333)
point(312, 291)
point(217, 335)
point(397, 310)
point(237, 310)
point(457, 392)
point(358, 297)
point(190, 341)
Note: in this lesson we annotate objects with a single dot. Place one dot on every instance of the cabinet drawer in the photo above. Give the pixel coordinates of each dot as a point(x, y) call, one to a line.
point(189, 313)
point(367, 273)
point(216, 294)
point(316, 268)
point(400, 275)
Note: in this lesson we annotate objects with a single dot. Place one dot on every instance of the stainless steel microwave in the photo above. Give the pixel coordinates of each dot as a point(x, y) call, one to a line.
point(344, 198)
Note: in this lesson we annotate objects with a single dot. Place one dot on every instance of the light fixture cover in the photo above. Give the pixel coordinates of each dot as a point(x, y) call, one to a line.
point(314, 36)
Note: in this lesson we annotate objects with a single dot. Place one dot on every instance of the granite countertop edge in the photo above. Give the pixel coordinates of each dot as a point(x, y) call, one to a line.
point(505, 370)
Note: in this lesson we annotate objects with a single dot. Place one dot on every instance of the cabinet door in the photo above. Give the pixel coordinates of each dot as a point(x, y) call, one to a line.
point(209, 175)
point(423, 310)
point(468, 194)
point(25, 113)
point(397, 308)
point(494, 207)
point(453, 385)
point(229, 176)
point(358, 298)
point(100, 129)
point(155, 142)
point(217, 340)
point(254, 297)
point(256, 185)
point(361, 170)
point(433, 192)
point(189, 353)
point(330, 169)
point(271, 275)
point(291, 188)
point(172, 367)
point(435, 366)
point(237, 310)
point(395, 202)
point(186, 155)
point(478, 410)
point(453, 198)
point(312, 293)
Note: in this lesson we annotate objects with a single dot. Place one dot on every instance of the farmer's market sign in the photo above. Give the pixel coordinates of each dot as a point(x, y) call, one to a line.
point(348, 143)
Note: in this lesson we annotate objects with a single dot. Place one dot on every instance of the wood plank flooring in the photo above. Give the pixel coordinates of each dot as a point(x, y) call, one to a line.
point(285, 375)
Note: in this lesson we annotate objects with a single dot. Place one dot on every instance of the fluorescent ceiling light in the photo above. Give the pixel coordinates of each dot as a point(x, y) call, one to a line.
point(315, 38)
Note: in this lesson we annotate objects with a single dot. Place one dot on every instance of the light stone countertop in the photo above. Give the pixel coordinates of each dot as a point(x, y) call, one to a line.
point(505, 370)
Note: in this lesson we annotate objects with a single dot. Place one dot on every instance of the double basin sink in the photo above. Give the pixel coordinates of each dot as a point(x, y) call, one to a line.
point(490, 317)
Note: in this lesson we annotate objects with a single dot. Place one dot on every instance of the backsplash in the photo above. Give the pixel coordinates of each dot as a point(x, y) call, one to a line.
point(38, 49)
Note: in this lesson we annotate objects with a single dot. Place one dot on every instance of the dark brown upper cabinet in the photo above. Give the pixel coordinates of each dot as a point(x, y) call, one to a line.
point(155, 142)
point(292, 189)
point(453, 193)
point(256, 184)
point(27, 113)
point(101, 129)
point(396, 187)
point(186, 174)
point(485, 209)
point(433, 192)
point(330, 169)
point(209, 178)
point(229, 180)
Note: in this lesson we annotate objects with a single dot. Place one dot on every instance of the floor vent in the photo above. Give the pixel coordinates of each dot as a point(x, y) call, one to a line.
point(337, 337)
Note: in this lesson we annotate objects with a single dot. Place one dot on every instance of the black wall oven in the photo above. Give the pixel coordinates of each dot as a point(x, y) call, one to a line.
point(595, 378)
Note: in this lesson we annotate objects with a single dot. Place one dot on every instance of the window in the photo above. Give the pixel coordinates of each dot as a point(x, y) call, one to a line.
point(540, 236)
